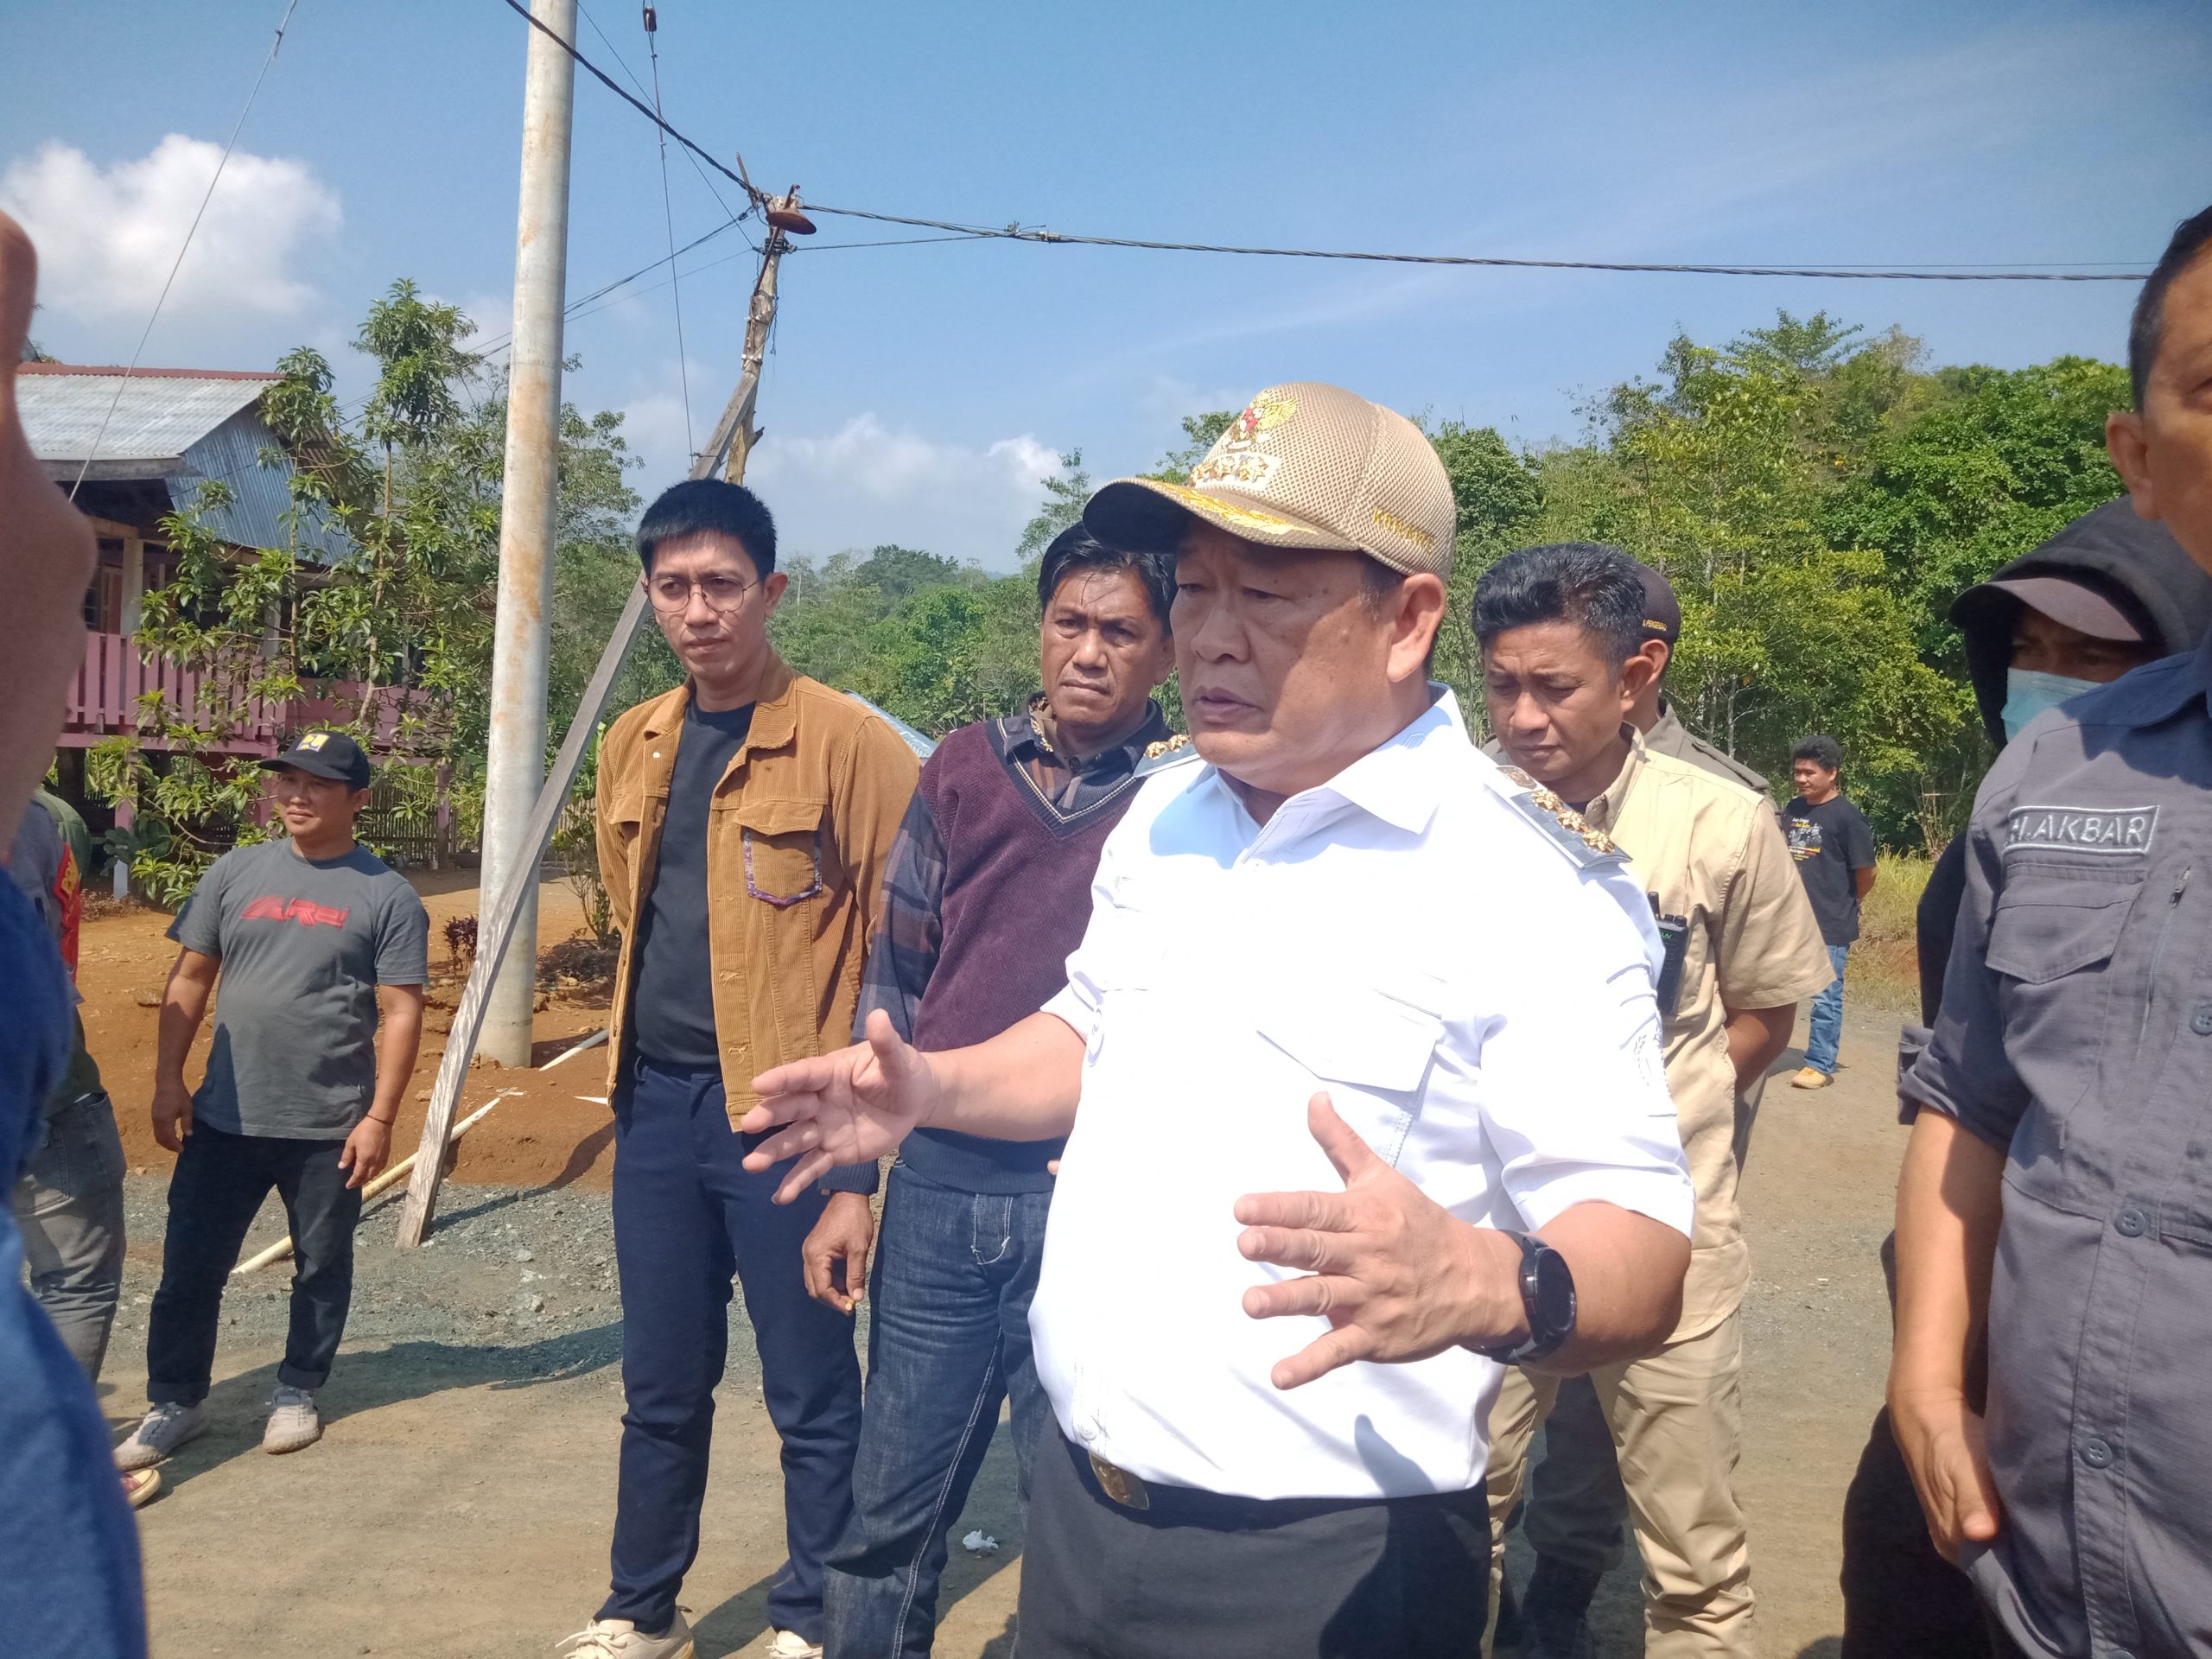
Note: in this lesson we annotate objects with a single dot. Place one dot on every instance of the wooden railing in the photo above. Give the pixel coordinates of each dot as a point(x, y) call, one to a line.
point(104, 702)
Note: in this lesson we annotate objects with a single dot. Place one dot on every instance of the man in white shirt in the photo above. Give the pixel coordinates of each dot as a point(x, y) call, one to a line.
point(1348, 986)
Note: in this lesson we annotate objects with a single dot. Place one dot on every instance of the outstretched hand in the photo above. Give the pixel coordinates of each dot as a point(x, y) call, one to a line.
point(1395, 1275)
point(846, 1108)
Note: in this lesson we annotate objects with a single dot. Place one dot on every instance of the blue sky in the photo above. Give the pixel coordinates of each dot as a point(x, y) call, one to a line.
point(916, 394)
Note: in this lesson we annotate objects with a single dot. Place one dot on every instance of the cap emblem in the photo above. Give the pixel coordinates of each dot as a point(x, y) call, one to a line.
point(1251, 468)
point(313, 742)
point(1261, 416)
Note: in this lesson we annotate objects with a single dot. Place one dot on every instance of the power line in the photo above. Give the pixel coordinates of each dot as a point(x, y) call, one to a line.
point(713, 188)
point(668, 219)
point(191, 230)
point(606, 80)
point(1919, 274)
point(1018, 233)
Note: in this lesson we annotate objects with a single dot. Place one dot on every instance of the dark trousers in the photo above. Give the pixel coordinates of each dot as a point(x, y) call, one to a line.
point(687, 1216)
point(214, 1194)
point(1901, 1599)
point(948, 1341)
point(1197, 1576)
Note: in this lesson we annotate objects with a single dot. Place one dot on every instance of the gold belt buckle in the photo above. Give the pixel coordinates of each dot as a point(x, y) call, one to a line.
point(1120, 1484)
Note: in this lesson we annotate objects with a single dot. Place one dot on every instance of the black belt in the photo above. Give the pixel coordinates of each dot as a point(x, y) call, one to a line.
point(1165, 1505)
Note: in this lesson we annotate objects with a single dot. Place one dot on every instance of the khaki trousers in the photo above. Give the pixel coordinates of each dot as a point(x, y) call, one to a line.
point(1677, 1422)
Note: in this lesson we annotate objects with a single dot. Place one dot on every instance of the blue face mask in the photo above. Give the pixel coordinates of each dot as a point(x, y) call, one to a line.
point(2028, 693)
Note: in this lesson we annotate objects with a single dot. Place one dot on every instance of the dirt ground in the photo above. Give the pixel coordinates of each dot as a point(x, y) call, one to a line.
point(545, 1134)
point(459, 1506)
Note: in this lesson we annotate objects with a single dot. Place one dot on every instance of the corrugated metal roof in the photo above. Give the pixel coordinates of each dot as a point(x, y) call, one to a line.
point(160, 414)
point(260, 495)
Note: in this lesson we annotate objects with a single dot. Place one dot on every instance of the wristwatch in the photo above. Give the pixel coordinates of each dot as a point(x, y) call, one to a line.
point(1548, 1298)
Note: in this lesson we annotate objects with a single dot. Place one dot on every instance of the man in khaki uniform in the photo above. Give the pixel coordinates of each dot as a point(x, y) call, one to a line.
point(1560, 630)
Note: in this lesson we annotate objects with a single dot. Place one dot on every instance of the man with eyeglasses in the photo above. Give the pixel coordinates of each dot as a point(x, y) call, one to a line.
point(745, 821)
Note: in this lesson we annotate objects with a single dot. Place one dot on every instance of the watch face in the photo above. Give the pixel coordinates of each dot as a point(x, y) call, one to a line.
point(1553, 1314)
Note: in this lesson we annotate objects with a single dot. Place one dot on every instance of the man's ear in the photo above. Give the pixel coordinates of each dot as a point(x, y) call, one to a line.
point(1413, 633)
point(1641, 670)
point(2130, 453)
point(771, 587)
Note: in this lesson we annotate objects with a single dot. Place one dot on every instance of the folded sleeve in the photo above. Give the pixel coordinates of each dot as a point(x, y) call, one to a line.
point(1573, 1073)
point(1109, 947)
point(1965, 1072)
point(1769, 952)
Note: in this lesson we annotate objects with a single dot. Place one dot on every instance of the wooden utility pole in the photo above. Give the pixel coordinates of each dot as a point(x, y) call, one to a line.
point(522, 634)
point(496, 926)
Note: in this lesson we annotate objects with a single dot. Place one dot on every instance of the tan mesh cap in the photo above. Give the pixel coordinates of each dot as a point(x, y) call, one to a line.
point(1303, 465)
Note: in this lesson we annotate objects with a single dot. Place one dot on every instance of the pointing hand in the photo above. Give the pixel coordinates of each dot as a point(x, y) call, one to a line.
point(846, 1108)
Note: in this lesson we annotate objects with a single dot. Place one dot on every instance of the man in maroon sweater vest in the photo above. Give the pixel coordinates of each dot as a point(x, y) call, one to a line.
point(987, 891)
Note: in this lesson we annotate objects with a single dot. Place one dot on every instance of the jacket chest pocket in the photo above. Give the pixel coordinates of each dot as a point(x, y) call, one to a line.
point(782, 848)
point(2045, 929)
point(2053, 938)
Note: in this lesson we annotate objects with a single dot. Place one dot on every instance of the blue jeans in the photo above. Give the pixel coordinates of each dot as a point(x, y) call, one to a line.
point(1827, 1022)
point(688, 1216)
point(949, 1340)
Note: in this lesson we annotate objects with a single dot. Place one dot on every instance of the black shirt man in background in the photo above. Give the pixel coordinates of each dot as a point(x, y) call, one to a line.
point(1835, 848)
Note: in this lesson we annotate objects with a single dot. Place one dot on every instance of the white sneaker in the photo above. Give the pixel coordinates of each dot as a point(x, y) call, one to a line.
point(293, 1421)
point(790, 1644)
point(160, 1432)
point(618, 1638)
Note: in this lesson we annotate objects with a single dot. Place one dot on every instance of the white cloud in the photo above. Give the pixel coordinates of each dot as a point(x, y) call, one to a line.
point(866, 484)
point(107, 237)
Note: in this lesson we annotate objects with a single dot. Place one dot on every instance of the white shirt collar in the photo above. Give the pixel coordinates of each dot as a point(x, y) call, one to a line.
point(1392, 782)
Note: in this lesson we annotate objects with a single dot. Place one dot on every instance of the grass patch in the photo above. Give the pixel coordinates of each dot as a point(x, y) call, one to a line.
point(1885, 967)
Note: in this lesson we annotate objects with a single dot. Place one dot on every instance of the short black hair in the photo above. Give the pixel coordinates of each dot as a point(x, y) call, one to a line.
point(702, 507)
point(1077, 549)
point(1821, 750)
point(2147, 327)
point(1597, 587)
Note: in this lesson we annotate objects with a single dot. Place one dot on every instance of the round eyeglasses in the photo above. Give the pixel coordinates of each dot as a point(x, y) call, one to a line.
point(672, 595)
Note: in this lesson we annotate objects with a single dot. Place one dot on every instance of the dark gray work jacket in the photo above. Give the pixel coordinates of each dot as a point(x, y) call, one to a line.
point(2077, 1032)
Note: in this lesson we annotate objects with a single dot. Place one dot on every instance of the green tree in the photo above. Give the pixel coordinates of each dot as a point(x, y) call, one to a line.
point(1723, 475)
point(387, 580)
point(1064, 494)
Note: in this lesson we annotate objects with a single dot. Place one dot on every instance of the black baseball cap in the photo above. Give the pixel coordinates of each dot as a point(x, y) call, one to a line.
point(325, 754)
point(1662, 612)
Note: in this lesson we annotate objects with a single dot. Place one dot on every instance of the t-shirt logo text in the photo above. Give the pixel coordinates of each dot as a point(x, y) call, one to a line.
point(271, 908)
point(2112, 830)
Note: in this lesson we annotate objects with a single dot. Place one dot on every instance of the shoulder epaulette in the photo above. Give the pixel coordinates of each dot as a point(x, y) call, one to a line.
point(1168, 752)
point(1559, 823)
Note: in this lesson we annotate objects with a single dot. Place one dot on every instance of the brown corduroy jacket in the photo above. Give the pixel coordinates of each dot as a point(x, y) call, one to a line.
point(801, 826)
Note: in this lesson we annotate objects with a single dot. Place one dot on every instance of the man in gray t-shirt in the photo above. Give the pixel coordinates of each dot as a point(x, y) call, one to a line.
point(320, 951)
point(304, 943)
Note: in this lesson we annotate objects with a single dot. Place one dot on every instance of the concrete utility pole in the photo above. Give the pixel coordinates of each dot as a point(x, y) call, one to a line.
point(500, 904)
point(515, 762)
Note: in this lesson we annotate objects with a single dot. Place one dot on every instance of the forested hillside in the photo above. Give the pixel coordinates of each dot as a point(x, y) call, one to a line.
point(1818, 496)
